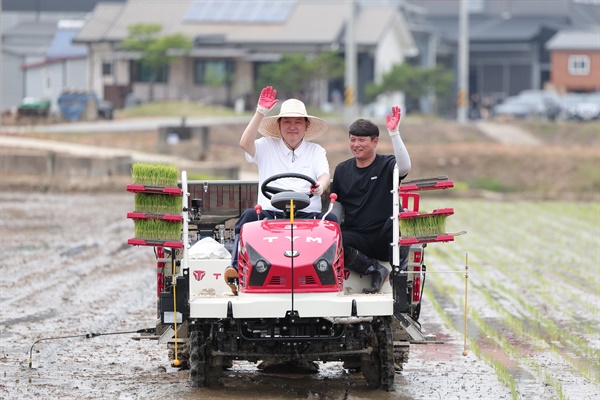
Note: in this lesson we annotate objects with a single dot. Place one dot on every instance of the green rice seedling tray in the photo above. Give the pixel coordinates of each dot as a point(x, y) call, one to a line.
point(422, 224)
point(158, 216)
point(155, 242)
point(157, 229)
point(156, 189)
point(151, 173)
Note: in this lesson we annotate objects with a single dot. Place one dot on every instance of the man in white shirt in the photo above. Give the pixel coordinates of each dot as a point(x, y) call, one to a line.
point(284, 147)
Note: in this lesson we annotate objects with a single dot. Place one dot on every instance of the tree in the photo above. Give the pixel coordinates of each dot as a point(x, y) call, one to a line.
point(154, 49)
point(296, 74)
point(415, 82)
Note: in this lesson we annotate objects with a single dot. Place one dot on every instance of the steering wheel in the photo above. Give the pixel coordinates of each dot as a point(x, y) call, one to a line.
point(269, 191)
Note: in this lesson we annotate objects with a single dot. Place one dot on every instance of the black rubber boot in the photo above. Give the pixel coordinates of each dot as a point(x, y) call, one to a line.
point(356, 261)
point(380, 276)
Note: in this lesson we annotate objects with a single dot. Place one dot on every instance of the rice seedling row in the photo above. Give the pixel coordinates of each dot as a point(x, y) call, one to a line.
point(511, 284)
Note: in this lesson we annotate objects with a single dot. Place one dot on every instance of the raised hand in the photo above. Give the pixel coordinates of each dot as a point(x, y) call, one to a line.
point(393, 122)
point(267, 100)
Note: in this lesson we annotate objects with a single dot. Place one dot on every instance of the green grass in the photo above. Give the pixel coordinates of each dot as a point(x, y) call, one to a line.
point(195, 176)
point(491, 184)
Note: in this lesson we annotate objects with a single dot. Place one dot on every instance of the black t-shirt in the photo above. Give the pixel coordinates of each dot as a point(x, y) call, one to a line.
point(365, 193)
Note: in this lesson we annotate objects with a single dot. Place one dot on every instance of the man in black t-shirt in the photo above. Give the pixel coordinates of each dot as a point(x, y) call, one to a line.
point(363, 185)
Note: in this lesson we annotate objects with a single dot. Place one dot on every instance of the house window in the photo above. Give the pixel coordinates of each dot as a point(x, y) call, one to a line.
point(47, 81)
point(107, 69)
point(579, 65)
point(211, 72)
point(141, 73)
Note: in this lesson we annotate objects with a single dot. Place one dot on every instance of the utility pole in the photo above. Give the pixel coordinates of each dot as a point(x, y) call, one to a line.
point(350, 80)
point(463, 63)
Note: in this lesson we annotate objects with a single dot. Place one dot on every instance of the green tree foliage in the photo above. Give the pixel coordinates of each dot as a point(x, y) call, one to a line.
point(415, 82)
point(295, 74)
point(154, 49)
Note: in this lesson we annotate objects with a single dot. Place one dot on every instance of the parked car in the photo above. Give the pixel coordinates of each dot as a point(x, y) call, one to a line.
point(514, 106)
point(589, 108)
point(528, 104)
point(568, 105)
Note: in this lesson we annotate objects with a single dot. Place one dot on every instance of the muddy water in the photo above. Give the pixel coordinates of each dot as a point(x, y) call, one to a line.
point(66, 270)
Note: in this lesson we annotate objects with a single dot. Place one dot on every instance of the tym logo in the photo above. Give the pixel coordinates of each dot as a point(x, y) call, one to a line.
point(308, 239)
point(199, 274)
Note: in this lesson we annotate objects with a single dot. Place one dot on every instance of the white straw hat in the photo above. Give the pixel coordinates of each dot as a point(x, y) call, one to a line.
point(293, 108)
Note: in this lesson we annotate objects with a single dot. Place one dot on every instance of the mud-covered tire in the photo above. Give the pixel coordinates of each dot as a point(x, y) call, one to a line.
point(205, 370)
point(385, 342)
point(378, 366)
point(370, 365)
point(197, 360)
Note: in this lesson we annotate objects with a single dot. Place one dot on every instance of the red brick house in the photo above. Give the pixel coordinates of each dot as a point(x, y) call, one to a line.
point(575, 60)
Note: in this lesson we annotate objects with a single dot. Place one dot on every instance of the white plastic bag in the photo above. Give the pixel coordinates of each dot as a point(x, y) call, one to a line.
point(208, 248)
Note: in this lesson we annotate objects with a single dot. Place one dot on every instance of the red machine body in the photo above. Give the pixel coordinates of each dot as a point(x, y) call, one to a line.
point(279, 257)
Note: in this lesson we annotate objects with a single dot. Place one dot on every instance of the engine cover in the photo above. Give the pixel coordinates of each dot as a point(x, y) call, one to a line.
point(278, 257)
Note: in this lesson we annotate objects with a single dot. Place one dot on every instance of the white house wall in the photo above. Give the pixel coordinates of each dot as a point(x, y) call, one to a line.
point(12, 80)
point(42, 82)
point(244, 73)
point(97, 54)
point(48, 81)
point(387, 54)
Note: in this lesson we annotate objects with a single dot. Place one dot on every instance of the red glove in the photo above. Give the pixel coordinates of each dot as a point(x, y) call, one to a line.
point(393, 122)
point(267, 100)
point(316, 190)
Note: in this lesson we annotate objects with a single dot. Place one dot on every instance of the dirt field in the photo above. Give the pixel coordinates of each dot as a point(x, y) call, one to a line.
point(67, 271)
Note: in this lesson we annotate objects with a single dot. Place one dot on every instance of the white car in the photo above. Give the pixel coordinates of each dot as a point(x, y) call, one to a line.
point(589, 108)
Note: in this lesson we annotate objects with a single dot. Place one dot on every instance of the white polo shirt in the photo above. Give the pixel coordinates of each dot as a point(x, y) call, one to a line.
point(273, 157)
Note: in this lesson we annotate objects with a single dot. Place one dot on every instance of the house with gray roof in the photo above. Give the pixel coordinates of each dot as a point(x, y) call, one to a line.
point(238, 37)
point(507, 39)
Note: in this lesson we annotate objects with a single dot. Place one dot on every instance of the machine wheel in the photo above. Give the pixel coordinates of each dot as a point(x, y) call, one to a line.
point(205, 369)
point(378, 367)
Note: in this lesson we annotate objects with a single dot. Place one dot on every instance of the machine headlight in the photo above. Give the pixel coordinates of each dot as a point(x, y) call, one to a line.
point(322, 265)
point(260, 266)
